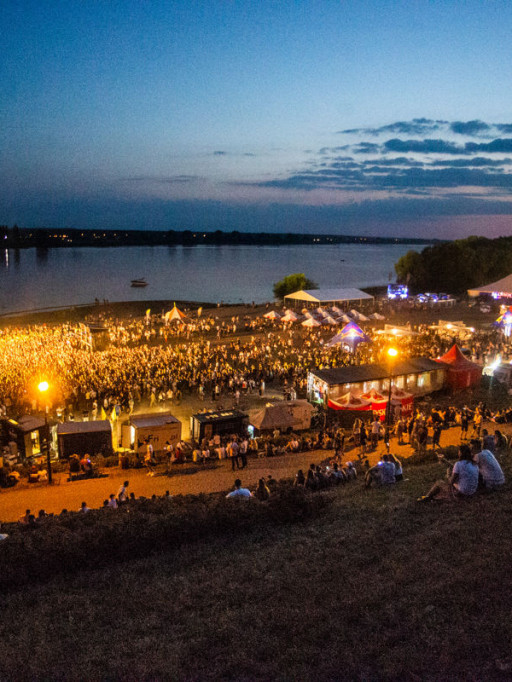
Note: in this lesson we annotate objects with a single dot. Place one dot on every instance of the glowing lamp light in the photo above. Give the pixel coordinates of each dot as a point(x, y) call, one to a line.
point(392, 352)
point(43, 386)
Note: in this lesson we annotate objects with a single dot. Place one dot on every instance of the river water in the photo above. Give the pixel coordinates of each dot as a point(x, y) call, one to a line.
point(41, 278)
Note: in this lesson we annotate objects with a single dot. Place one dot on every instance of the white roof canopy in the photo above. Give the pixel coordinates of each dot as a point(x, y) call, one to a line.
point(322, 296)
point(502, 287)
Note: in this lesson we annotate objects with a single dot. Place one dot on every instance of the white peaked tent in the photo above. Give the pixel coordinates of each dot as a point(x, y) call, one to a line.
point(345, 318)
point(175, 315)
point(290, 316)
point(377, 316)
point(502, 287)
point(389, 330)
point(311, 322)
point(272, 315)
point(320, 312)
point(358, 317)
point(329, 320)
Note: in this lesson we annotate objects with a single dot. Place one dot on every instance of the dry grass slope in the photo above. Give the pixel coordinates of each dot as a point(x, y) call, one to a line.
point(376, 587)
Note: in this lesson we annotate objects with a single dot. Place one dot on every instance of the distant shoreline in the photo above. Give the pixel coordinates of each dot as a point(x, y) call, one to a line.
point(135, 308)
point(26, 238)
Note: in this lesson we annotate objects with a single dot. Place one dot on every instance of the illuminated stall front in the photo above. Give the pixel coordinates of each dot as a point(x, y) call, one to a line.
point(418, 376)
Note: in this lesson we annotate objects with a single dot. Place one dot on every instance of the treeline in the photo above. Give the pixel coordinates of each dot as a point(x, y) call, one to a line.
point(18, 237)
point(455, 266)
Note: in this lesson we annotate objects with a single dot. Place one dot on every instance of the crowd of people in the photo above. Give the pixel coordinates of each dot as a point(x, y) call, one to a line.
point(159, 364)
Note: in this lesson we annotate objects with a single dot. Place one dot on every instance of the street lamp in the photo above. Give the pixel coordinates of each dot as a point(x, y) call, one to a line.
point(392, 353)
point(43, 388)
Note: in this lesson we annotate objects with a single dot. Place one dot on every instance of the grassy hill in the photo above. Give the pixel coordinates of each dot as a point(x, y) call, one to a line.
point(373, 586)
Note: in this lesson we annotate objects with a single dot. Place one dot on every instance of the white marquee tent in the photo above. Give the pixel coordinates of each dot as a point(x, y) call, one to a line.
point(320, 297)
point(502, 287)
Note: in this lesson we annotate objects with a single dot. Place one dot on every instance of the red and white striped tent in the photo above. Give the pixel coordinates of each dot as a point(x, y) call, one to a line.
point(349, 401)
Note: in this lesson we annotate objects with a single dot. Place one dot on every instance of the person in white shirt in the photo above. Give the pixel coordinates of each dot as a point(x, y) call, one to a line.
point(112, 502)
point(491, 473)
point(239, 491)
point(463, 481)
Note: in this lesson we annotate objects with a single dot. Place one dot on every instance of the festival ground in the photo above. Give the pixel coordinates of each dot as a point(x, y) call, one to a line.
point(13, 502)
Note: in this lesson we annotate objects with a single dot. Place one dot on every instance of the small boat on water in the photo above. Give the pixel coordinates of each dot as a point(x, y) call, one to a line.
point(139, 283)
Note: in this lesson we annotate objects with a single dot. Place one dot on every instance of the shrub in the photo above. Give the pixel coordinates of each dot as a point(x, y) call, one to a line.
point(75, 541)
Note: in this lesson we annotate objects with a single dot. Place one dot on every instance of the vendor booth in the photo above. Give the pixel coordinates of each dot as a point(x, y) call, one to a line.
point(225, 422)
point(418, 376)
point(287, 415)
point(80, 438)
point(24, 437)
point(461, 372)
point(157, 428)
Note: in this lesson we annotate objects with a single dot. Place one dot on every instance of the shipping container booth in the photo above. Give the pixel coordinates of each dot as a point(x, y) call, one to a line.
point(156, 428)
point(23, 437)
point(81, 438)
point(225, 422)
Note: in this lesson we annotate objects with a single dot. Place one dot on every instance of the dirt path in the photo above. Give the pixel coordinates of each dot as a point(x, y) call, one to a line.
point(66, 495)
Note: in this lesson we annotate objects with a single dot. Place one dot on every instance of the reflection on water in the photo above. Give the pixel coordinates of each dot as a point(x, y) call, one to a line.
point(57, 277)
point(42, 253)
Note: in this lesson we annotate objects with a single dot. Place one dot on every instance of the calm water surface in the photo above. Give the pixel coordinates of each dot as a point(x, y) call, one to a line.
point(37, 278)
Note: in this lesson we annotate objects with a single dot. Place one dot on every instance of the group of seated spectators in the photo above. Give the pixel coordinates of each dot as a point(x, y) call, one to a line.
point(476, 469)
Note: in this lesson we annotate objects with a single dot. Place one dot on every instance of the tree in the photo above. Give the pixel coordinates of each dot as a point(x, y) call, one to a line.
point(292, 283)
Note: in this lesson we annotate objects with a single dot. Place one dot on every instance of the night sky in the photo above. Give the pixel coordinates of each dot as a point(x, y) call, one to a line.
point(389, 118)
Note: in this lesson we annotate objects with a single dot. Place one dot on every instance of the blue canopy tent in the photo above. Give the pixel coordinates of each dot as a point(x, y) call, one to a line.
point(351, 335)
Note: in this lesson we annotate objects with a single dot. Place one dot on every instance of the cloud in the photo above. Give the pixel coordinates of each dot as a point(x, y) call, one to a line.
point(160, 179)
point(418, 126)
point(422, 146)
point(471, 128)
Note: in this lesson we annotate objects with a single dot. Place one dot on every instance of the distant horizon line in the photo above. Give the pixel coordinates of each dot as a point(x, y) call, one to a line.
point(17, 236)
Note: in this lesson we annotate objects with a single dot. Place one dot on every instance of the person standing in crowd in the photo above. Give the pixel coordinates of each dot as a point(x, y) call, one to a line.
point(122, 495)
point(244, 445)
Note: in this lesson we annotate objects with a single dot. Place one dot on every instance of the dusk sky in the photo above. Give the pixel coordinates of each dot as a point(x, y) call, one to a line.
point(389, 118)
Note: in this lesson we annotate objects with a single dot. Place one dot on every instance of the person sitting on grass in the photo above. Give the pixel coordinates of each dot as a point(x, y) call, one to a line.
point(112, 502)
point(239, 491)
point(350, 471)
point(84, 508)
point(399, 473)
point(383, 473)
point(491, 476)
point(300, 479)
point(462, 481)
point(336, 476)
point(262, 492)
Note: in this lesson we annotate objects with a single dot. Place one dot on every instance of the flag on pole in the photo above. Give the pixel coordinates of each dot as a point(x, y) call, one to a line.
point(199, 311)
point(103, 415)
point(113, 415)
